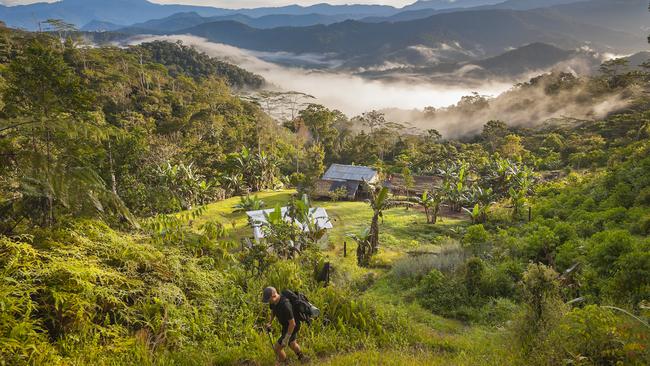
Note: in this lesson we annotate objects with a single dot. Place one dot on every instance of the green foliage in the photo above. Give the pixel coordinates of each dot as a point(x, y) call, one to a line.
point(181, 59)
point(249, 203)
point(431, 203)
point(476, 239)
point(595, 335)
point(444, 295)
point(413, 268)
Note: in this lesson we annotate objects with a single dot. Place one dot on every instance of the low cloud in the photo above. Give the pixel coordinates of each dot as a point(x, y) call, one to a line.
point(350, 94)
point(404, 100)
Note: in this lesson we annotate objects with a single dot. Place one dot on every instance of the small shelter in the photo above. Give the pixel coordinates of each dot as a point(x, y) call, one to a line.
point(257, 219)
point(348, 177)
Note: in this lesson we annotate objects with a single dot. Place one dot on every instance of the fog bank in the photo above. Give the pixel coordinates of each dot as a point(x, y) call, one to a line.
point(350, 94)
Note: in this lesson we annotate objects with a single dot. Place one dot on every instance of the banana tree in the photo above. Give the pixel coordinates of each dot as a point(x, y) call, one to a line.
point(482, 200)
point(379, 201)
point(279, 233)
point(364, 248)
point(454, 184)
point(431, 204)
point(478, 214)
point(518, 198)
point(249, 203)
point(301, 212)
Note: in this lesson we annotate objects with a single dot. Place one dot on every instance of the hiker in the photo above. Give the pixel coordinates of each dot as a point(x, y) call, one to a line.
point(282, 309)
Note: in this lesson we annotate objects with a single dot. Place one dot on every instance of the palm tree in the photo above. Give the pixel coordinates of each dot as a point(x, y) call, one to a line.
point(454, 184)
point(234, 183)
point(431, 204)
point(379, 202)
point(363, 247)
point(482, 200)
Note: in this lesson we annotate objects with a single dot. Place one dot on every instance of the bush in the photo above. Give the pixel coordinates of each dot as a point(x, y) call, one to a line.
point(473, 276)
point(82, 293)
point(501, 280)
point(443, 295)
point(476, 239)
point(541, 313)
point(594, 335)
point(446, 259)
point(607, 247)
point(497, 311)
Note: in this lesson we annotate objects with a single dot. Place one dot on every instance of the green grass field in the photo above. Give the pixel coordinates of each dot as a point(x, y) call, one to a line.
point(402, 230)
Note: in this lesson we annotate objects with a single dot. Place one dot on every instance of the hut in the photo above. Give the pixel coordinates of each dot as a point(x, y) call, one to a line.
point(346, 180)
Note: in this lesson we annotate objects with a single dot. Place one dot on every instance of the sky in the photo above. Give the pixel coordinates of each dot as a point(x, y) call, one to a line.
point(245, 3)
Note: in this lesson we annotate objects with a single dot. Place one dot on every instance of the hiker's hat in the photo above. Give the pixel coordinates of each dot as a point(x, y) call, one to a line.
point(267, 293)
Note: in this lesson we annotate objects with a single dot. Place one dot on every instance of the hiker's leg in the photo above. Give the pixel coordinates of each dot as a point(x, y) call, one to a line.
point(295, 347)
point(279, 350)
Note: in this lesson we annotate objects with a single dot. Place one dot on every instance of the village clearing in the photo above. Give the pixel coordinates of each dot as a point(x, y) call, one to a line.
point(403, 232)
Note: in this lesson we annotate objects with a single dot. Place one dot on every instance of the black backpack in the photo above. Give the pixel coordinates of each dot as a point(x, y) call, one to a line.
point(303, 310)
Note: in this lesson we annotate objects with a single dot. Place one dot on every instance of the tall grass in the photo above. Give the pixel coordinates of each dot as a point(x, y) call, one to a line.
point(446, 258)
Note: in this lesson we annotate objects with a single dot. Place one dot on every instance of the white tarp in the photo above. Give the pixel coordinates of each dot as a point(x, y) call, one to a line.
point(258, 218)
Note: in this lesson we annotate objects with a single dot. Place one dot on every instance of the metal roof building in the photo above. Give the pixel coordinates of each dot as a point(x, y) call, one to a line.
point(351, 172)
point(347, 177)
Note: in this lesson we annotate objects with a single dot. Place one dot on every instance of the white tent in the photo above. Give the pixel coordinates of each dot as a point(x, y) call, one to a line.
point(258, 218)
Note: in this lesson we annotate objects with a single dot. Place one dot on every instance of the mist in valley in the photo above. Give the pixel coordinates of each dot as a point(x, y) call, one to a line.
point(418, 104)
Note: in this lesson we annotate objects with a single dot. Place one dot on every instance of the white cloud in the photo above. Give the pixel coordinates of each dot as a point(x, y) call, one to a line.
point(351, 94)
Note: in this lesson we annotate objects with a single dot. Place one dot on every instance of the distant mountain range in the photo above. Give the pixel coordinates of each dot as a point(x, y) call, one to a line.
point(127, 12)
point(473, 37)
point(476, 33)
point(511, 65)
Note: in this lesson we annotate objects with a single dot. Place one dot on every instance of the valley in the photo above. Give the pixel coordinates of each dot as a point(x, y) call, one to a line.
point(443, 182)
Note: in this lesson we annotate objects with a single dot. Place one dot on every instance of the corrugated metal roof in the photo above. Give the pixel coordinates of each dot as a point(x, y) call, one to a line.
point(350, 172)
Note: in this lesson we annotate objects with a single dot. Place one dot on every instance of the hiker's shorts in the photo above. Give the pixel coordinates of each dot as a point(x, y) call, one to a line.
point(293, 335)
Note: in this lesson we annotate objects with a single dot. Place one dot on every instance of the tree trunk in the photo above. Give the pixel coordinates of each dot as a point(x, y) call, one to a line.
point(374, 234)
point(112, 169)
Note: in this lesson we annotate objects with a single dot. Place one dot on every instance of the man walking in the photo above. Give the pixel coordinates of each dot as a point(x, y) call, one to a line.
point(282, 309)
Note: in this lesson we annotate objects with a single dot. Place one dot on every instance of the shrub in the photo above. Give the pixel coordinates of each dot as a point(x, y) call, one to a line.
point(497, 311)
point(540, 315)
point(541, 244)
point(501, 280)
point(631, 283)
point(607, 247)
point(473, 276)
point(443, 295)
point(599, 338)
point(446, 259)
point(476, 239)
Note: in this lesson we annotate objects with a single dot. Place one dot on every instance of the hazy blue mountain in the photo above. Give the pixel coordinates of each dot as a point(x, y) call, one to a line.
point(448, 4)
point(531, 4)
point(423, 10)
point(485, 32)
point(625, 15)
point(324, 9)
point(534, 56)
point(100, 26)
point(511, 65)
point(81, 12)
point(186, 20)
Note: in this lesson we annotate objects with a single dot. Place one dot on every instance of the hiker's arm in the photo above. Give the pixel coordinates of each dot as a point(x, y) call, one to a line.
point(287, 336)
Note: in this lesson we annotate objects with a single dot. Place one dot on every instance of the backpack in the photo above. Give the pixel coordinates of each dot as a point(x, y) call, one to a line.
point(303, 310)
